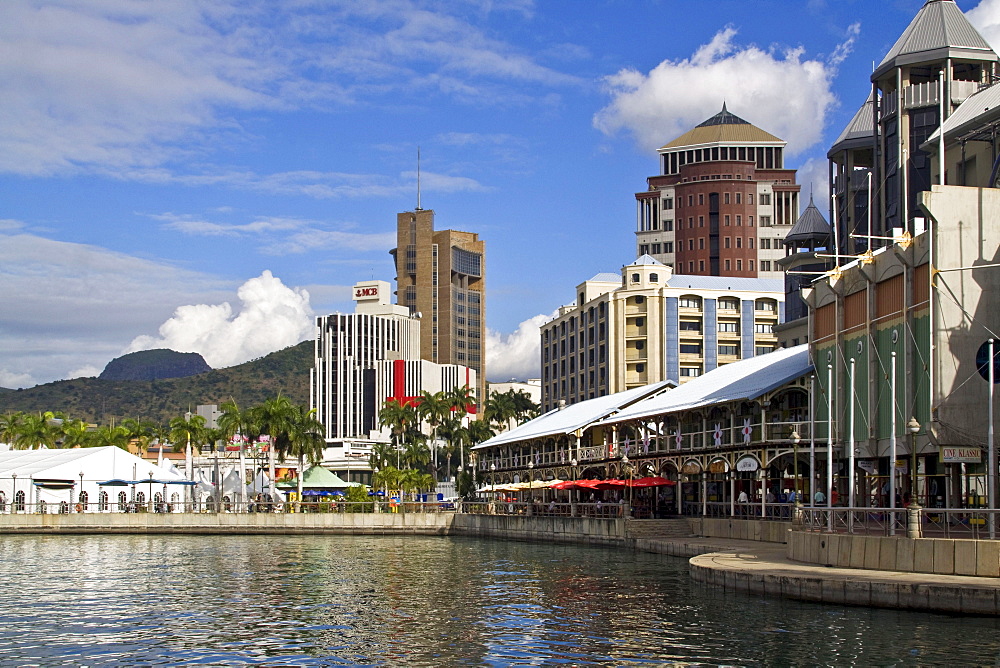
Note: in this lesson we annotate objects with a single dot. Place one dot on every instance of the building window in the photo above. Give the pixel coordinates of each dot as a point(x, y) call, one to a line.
point(739, 242)
point(729, 327)
point(763, 350)
point(668, 226)
point(640, 368)
point(643, 249)
point(739, 200)
point(763, 328)
point(765, 265)
point(725, 242)
point(701, 265)
point(727, 220)
point(690, 371)
point(668, 246)
point(728, 265)
point(690, 244)
point(749, 198)
point(701, 221)
point(689, 301)
point(701, 198)
point(668, 203)
point(765, 221)
point(725, 198)
point(766, 305)
point(656, 249)
point(729, 304)
point(765, 199)
point(691, 349)
point(690, 326)
point(749, 221)
point(739, 265)
point(635, 278)
point(653, 278)
point(701, 243)
point(739, 221)
point(750, 242)
point(765, 244)
point(728, 350)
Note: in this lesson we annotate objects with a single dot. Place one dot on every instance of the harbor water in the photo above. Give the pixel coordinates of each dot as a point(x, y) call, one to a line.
point(424, 601)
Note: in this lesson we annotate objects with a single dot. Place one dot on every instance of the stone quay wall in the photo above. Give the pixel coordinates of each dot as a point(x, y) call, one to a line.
point(939, 556)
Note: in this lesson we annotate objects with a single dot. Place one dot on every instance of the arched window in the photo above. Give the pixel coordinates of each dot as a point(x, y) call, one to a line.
point(83, 499)
point(654, 278)
point(102, 501)
point(19, 501)
point(122, 501)
point(63, 508)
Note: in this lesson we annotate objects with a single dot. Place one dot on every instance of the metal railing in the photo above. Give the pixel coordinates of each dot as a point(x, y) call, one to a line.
point(250, 507)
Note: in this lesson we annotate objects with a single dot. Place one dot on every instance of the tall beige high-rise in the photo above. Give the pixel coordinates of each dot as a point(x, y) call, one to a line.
point(442, 276)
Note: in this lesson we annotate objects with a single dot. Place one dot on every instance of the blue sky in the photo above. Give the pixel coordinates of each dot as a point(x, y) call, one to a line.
point(208, 175)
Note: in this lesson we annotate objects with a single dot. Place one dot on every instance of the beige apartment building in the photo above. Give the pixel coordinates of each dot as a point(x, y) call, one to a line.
point(648, 324)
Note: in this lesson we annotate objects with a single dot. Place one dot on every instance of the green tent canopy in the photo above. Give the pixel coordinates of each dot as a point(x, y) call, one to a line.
point(317, 477)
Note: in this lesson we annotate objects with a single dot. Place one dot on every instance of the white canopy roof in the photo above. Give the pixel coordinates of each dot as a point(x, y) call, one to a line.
point(746, 379)
point(576, 416)
point(96, 464)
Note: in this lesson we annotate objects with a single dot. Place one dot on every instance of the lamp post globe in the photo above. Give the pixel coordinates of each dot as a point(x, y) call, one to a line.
point(913, 427)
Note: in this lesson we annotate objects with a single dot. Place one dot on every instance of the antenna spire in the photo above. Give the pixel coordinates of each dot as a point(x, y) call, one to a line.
point(418, 179)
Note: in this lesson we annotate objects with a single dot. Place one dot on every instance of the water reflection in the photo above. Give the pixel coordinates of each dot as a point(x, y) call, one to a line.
point(345, 600)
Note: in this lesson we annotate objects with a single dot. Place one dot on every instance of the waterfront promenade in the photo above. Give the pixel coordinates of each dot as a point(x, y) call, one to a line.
point(753, 557)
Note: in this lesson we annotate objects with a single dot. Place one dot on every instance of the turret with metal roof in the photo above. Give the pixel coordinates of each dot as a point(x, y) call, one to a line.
point(811, 230)
point(938, 31)
point(939, 57)
point(723, 128)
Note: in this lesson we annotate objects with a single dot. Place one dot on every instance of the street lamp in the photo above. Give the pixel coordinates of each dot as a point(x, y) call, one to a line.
point(79, 498)
point(13, 507)
point(795, 439)
point(627, 468)
point(913, 427)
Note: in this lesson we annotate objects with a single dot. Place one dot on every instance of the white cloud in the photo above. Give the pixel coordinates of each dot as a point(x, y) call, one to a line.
point(273, 316)
point(13, 381)
point(814, 177)
point(281, 235)
point(64, 305)
point(781, 93)
point(985, 17)
point(125, 88)
point(515, 355)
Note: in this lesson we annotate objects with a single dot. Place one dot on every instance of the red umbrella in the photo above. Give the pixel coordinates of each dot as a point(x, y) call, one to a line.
point(610, 484)
point(654, 481)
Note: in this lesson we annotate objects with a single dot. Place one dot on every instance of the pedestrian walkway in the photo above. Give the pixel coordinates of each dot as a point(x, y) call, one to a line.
point(763, 568)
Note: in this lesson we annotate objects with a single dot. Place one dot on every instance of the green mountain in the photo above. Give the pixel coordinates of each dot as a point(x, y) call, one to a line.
point(101, 401)
point(156, 364)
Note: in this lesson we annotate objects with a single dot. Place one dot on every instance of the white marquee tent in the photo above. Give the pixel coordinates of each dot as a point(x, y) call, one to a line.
point(55, 476)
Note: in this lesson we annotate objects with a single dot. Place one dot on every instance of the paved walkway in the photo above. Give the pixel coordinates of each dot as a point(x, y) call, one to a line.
point(763, 568)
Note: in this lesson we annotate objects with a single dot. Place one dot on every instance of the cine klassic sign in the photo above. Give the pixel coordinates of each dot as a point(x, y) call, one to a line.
point(365, 292)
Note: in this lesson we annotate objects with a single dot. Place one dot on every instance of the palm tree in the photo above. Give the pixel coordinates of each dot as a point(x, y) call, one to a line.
point(36, 430)
point(500, 409)
point(434, 409)
point(246, 423)
point(274, 417)
point(526, 408)
point(305, 440)
point(75, 434)
point(416, 454)
point(398, 416)
point(187, 431)
point(140, 432)
point(10, 425)
point(117, 436)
